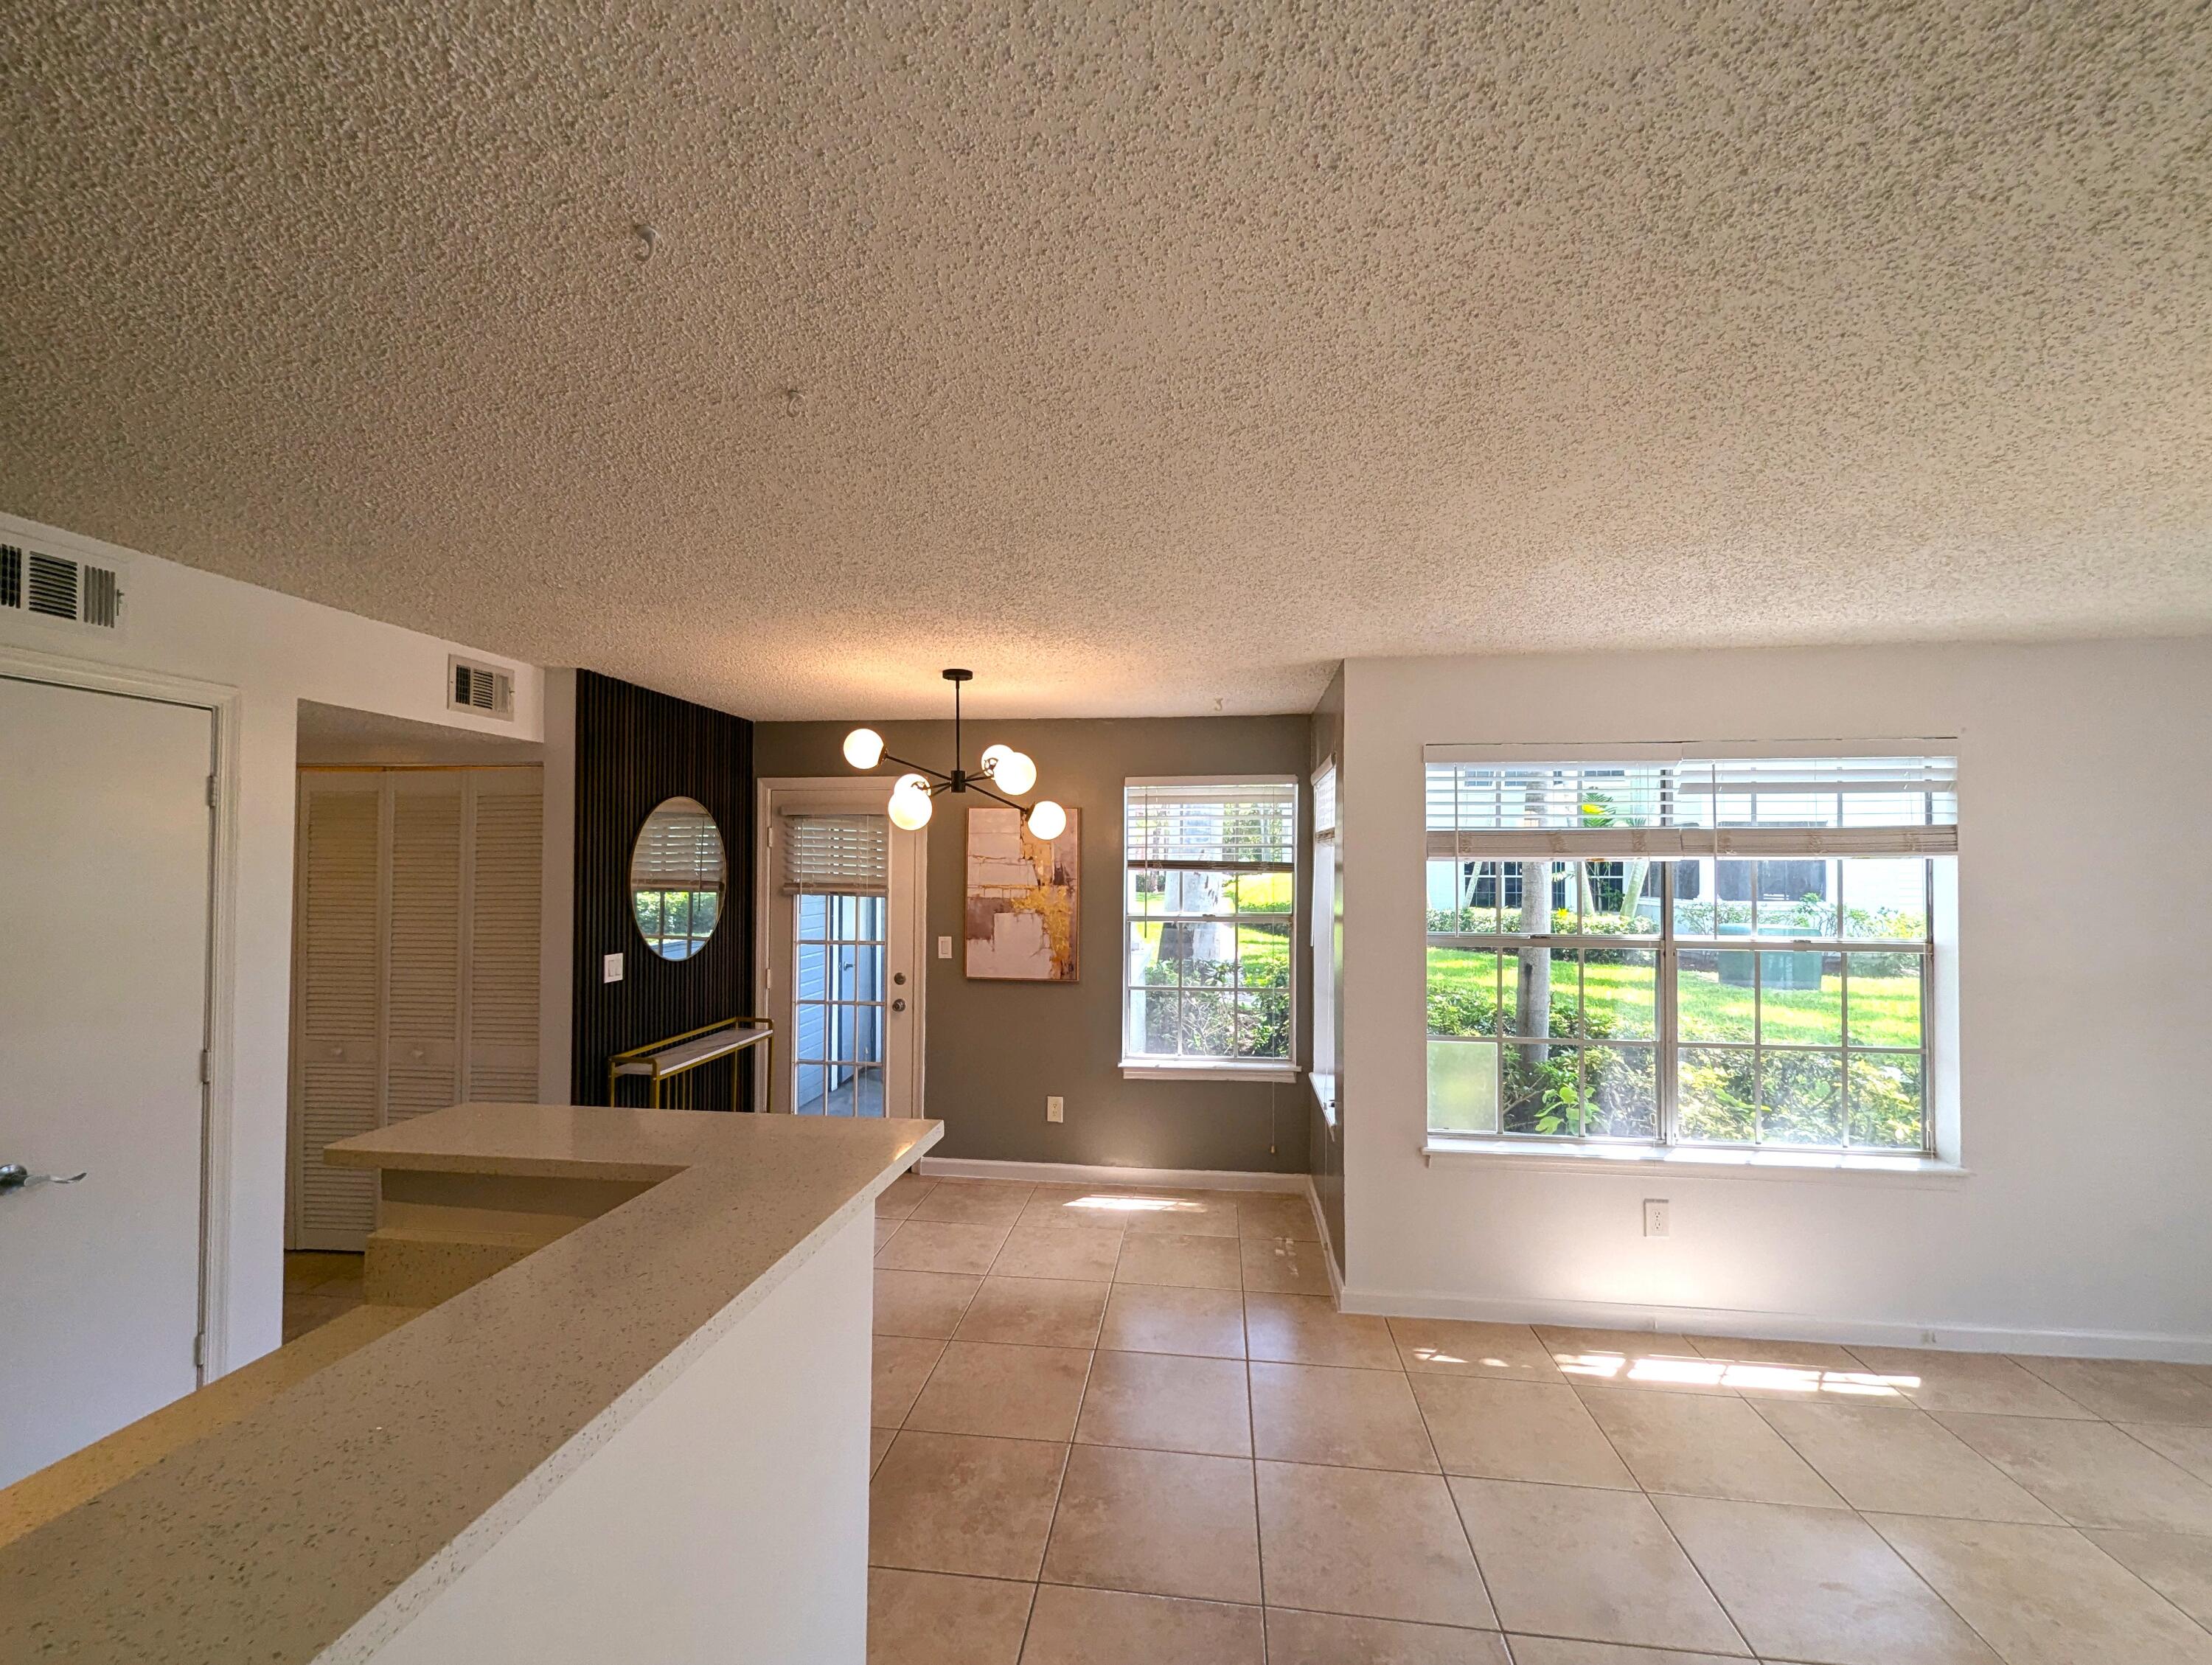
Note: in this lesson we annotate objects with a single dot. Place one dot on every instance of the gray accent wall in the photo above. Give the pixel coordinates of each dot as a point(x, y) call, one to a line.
point(996, 1050)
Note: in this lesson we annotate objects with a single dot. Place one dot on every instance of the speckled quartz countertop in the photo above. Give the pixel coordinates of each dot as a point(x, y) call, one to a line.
point(314, 1528)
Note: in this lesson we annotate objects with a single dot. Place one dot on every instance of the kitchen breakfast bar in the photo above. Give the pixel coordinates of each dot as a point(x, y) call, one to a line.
point(630, 1422)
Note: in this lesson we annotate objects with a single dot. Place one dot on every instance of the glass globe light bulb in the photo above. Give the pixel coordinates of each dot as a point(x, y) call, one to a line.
point(1046, 819)
point(1011, 770)
point(911, 806)
point(864, 747)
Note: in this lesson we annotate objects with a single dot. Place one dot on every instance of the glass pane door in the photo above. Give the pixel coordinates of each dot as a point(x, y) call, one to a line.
point(838, 1013)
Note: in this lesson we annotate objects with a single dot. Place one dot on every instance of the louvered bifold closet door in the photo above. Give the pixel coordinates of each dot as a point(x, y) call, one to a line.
point(335, 1055)
point(422, 965)
point(503, 915)
point(417, 955)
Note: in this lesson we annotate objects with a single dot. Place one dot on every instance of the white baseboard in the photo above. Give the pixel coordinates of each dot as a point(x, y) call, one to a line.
point(1328, 1246)
point(1073, 1173)
point(1779, 1326)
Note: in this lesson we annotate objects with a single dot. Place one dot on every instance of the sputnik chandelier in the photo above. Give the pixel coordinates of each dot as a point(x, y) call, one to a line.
point(914, 794)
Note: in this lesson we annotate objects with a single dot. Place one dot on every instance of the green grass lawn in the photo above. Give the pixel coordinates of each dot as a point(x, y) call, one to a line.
point(1263, 950)
point(1885, 1010)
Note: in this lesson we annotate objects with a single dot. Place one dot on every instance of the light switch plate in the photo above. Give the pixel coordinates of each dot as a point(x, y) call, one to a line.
point(944, 948)
point(611, 969)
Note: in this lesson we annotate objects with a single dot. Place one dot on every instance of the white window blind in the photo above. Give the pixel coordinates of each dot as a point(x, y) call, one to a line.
point(1216, 824)
point(1324, 803)
point(679, 852)
point(1692, 804)
point(846, 855)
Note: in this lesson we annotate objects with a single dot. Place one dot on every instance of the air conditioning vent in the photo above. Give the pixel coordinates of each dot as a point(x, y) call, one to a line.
point(102, 599)
point(55, 587)
point(483, 689)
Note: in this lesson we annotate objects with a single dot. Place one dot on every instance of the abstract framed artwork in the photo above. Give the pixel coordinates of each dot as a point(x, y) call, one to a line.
point(1023, 894)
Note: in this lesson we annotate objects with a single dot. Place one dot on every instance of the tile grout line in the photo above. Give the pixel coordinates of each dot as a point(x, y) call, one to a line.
point(1252, 1439)
point(2020, 1359)
point(1860, 1516)
point(1971, 1629)
point(1451, 1498)
point(1917, 1514)
point(1666, 1525)
point(1059, 1491)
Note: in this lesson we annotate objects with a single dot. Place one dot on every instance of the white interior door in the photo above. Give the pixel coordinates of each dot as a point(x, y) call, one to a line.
point(843, 927)
point(106, 833)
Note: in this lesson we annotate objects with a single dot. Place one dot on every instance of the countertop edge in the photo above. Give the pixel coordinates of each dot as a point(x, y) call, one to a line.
point(443, 1162)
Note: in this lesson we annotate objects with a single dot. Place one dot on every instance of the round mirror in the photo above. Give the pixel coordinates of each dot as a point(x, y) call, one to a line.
point(676, 874)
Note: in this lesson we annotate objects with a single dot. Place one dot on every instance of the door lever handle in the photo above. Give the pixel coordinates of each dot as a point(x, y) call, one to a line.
point(14, 1176)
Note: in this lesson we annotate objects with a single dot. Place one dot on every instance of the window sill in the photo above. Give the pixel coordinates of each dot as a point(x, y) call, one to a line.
point(1324, 1092)
point(1530, 1156)
point(1200, 1069)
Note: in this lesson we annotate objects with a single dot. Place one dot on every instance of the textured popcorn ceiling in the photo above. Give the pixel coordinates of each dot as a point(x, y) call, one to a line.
point(1149, 357)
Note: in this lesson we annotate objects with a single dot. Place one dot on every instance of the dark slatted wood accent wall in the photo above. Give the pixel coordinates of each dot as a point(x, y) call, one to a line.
point(633, 748)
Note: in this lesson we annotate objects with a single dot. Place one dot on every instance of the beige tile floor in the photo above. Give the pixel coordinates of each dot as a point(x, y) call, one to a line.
point(1116, 1425)
point(318, 1287)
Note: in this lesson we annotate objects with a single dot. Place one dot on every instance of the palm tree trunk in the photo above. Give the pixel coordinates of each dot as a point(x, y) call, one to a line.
point(1532, 1004)
point(1633, 873)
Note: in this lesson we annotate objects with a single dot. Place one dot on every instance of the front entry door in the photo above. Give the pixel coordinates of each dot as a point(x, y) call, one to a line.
point(105, 834)
point(844, 927)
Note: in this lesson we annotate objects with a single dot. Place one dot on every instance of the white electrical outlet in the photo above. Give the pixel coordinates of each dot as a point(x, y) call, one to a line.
point(1656, 1217)
point(944, 948)
point(611, 969)
point(1056, 1109)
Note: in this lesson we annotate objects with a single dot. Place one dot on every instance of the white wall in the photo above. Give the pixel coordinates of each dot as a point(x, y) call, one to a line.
point(727, 1521)
point(2084, 1013)
point(275, 650)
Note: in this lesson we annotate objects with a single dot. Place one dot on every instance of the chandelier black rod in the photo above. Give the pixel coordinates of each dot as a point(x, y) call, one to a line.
point(919, 769)
point(959, 781)
point(973, 783)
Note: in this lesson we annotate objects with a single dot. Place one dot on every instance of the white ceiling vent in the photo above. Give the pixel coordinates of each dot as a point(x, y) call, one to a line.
point(59, 589)
point(483, 689)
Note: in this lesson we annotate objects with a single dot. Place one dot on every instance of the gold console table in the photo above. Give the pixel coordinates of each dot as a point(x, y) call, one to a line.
point(663, 1061)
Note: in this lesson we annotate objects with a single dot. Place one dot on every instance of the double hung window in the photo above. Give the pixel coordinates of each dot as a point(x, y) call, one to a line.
point(1667, 949)
point(1209, 899)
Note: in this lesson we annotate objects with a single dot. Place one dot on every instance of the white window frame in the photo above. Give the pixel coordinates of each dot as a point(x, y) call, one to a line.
point(1325, 913)
point(1140, 1066)
point(1938, 1154)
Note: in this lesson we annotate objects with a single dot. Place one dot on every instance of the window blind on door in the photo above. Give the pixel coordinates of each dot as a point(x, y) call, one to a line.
point(1210, 825)
point(845, 855)
point(679, 852)
point(1639, 805)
